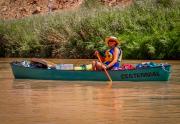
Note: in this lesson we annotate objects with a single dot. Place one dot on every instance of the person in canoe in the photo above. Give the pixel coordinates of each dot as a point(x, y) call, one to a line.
point(112, 58)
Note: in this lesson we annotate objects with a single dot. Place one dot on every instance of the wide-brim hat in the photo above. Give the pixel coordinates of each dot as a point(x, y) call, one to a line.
point(107, 39)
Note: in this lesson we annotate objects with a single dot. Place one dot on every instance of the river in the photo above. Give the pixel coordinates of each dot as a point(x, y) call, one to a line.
point(74, 102)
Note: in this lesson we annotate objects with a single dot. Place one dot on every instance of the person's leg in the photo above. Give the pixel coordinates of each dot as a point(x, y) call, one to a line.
point(96, 65)
point(99, 66)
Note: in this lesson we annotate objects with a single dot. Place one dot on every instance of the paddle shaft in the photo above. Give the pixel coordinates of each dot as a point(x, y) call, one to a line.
point(107, 74)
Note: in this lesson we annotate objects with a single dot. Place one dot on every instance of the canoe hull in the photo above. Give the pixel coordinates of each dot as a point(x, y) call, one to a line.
point(147, 74)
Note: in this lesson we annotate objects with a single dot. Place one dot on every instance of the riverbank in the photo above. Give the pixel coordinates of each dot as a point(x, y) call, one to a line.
point(148, 30)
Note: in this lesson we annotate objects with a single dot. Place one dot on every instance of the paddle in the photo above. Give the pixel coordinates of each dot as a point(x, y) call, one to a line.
point(107, 74)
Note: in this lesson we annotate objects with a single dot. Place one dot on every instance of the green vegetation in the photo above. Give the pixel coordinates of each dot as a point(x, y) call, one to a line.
point(148, 30)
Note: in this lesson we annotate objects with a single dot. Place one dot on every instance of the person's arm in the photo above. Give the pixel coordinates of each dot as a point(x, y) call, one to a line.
point(115, 57)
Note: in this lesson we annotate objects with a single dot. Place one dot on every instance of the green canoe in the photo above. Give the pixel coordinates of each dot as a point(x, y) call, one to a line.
point(159, 73)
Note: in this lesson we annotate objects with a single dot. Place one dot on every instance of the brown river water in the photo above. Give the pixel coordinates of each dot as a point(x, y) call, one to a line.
point(88, 102)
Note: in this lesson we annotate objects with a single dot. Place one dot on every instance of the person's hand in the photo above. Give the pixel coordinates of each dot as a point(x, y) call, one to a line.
point(96, 53)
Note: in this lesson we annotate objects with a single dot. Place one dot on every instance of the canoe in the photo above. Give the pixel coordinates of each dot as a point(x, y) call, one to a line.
point(159, 73)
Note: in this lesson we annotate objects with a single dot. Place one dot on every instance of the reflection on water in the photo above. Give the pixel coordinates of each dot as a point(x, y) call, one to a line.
point(71, 102)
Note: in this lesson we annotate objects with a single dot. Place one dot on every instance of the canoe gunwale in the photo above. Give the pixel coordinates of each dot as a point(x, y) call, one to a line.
point(163, 67)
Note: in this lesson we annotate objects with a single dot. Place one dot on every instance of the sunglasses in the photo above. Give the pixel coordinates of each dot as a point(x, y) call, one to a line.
point(111, 41)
